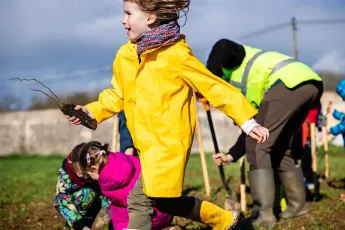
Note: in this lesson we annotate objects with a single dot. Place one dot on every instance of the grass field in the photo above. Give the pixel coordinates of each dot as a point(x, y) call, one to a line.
point(28, 185)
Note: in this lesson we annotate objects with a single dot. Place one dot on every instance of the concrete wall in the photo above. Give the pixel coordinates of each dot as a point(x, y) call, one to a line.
point(47, 131)
point(44, 132)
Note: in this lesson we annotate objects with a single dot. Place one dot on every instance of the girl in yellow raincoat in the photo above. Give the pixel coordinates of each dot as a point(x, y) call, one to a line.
point(154, 76)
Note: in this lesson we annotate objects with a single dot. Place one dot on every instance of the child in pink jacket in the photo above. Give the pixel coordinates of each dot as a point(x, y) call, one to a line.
point(116, 174)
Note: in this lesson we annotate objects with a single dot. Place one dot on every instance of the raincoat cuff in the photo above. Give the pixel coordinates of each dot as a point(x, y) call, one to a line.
point(248, 125)
point(89, 113)
point(95, 111)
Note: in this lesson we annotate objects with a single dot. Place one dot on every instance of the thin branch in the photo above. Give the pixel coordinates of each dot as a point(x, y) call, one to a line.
point(33, 79)
point(50, 97)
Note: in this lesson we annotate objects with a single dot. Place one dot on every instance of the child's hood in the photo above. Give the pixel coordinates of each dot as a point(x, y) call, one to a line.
point(71, 173)
point(118, 171)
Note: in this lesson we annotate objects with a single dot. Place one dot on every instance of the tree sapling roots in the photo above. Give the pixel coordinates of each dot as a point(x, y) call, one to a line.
point(67, 109)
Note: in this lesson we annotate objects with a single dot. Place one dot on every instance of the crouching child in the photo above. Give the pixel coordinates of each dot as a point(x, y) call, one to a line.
point(79, 200)
point(117, 174)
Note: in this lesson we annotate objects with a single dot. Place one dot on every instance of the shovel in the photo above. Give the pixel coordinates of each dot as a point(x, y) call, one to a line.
point(230, 201)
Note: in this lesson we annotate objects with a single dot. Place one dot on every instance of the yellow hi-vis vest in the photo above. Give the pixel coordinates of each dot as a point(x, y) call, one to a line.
point(260, 70)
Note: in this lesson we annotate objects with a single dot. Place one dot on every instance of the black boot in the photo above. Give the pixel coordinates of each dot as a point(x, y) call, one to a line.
point(277, 209)
point(263, 191)
point(295, 193)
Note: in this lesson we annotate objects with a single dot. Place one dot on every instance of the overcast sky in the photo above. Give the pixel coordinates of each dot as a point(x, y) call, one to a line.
point(70, 45)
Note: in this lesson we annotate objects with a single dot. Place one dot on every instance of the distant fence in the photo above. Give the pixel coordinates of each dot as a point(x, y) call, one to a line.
point(48, 132)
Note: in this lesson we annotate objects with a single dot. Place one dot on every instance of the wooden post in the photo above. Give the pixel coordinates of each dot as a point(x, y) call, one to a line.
point(313, 147)
point(115, 134)
point(243, 185)
point(325, 138)
point(325, 146)
point(201, 149)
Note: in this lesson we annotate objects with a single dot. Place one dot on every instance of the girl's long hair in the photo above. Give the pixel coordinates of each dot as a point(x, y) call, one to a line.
point(165, 10)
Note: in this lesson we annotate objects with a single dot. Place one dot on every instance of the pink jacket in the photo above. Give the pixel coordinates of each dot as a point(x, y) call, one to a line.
point(116, 180)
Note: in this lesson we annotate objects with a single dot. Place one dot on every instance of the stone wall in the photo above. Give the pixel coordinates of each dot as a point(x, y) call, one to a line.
point(47, 131)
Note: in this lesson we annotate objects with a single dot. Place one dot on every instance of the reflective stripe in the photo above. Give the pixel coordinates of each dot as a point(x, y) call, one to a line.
point(236, 84)
point(281, 65)
point(243, 84)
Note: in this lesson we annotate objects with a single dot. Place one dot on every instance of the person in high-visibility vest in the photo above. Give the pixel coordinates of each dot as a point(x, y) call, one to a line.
point(283, 90)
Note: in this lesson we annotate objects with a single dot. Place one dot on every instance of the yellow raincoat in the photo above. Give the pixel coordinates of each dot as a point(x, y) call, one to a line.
point(157, 98)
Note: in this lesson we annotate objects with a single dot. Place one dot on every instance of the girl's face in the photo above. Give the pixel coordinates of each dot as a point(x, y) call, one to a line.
point(93, 172)
point(136, 22)
point(77, 169)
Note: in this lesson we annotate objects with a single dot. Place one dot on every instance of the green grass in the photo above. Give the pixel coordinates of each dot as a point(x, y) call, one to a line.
point(194, 174)
point(336, 161)
point(27, 178)
point(332, 149)
point(28, 186)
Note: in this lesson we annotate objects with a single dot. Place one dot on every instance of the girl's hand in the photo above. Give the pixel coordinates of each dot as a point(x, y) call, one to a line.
point(222, 159)
point(76, 120)
point(86, 228)
point(259, 133)
point(129, 151)
point(103, 218)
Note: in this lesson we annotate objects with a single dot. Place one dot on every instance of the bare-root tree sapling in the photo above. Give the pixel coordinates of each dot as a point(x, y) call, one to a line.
point(67, 109)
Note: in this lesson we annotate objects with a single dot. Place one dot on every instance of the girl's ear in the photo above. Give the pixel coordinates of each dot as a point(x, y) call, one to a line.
point(151, 19)
point(94, 168)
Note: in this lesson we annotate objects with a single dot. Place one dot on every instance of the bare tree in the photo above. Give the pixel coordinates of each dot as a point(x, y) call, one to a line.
point(10, 103)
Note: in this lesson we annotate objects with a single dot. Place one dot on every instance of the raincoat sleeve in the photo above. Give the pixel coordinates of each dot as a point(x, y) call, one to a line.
point(339, 128)
point(110, 101)
point(218, 92)
point(338, 115)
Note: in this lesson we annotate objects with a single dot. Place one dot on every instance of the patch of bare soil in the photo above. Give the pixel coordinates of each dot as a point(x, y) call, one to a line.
point(328, 213)
point(36, 215)
point(336, 183)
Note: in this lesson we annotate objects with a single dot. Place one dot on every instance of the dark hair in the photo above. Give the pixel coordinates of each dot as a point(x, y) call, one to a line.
point(225, 53)
point(74, 156)
point(93, 153)
point(166, 10)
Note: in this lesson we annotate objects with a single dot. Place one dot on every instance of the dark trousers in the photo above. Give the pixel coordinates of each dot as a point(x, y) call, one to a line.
point(282, 111)
point(306, 161)
point(140, 207)
point(125, 137)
